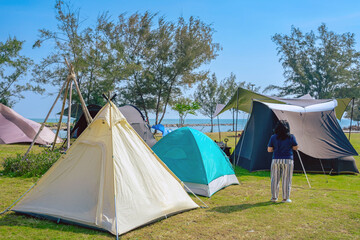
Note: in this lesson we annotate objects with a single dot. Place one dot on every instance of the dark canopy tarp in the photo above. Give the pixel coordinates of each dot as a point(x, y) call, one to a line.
point(245, 98)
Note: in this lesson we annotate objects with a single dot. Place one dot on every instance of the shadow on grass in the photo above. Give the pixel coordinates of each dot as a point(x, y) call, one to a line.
point(241, 172)
point(240, 207)
point(19, 220)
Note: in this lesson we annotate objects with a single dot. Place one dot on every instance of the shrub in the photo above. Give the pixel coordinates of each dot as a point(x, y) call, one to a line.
point(35, 164)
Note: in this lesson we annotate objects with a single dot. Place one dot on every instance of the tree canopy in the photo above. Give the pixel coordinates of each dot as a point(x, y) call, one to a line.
point(13, 68)
point(208, 94)
point(323, 64)
point(184, 106)
point(145, 58)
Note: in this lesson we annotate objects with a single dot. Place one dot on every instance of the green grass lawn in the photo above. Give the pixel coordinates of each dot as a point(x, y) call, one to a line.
point(329, 210)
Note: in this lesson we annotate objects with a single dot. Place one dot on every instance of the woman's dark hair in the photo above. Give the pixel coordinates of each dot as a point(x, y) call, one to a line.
point(282, 129)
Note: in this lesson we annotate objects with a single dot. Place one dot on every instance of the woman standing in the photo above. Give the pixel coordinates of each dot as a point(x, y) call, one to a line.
point(282, 144)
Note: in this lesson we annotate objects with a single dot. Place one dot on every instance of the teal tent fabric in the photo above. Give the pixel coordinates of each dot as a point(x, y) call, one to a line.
point(193, 156)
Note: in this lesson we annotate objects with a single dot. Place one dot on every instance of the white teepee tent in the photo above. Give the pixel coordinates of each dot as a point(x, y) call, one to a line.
point(109, 179)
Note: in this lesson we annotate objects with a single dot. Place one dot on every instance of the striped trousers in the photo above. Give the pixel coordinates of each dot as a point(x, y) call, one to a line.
point(281, 168)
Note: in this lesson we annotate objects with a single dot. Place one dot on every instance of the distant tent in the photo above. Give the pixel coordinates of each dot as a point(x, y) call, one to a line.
point(165, 131)
point(323, 145)
point(108, 179)
point(14, 128)
point(196, 160)
point(81, 123)
point(132, 115)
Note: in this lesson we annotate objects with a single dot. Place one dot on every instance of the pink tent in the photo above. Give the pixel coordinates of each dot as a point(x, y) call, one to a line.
point(14, 128)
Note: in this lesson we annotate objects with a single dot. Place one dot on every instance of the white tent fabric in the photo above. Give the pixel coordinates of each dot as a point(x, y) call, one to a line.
point(326, 106)
point(109, 177)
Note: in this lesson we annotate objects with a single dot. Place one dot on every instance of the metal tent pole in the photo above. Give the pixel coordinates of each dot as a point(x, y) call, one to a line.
point(351, 117)
point(302, 165)
point(243, 137)
point(219, 128)
point(236, 121)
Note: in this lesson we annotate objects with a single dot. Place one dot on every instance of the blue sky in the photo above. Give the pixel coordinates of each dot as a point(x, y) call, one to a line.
point(243, 28)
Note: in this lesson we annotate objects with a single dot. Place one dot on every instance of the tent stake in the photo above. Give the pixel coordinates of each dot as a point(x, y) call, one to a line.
point(302, 165)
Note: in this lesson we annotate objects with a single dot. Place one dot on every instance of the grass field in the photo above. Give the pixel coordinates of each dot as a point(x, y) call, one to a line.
point(329, 210)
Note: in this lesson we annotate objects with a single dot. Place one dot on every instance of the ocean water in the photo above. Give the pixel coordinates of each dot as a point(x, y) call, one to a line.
point(223, 128)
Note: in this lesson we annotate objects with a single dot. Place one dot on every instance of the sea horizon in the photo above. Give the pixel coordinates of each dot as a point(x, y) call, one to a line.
point(203, 128)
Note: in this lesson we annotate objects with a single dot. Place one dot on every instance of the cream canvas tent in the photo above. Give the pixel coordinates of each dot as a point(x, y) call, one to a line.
point(108, 179)
point(14, 128)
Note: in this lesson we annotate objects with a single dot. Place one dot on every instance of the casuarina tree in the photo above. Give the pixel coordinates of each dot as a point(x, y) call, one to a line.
point(13, 69)
point(208, 94)
point(320, 64)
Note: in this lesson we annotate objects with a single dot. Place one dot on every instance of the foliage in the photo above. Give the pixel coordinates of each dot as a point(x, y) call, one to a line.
point(208, 94)
point(83, 47)
point(146, 58)
point(354, 112)
point(322, 64)
point(35, 164)
point(184, 106)
point(13, 67)
point(161, 57)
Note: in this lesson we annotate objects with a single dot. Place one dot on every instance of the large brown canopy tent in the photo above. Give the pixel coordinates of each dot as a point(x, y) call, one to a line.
point(323, 145)
point(14, 128)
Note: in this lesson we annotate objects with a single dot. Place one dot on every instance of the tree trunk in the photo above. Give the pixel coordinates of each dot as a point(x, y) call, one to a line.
point(157, 108)
point(211, 119)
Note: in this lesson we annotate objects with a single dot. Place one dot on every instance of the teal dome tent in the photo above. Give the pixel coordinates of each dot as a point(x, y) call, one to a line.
point(196, 160)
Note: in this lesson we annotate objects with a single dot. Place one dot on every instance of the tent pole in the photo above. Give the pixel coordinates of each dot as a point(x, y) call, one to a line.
point(352, 111)
point(302, 165)
point(116, 222)
point(237, 111)
point(62, 113)
point(83, 105)
point(243, 134)
point(43, 124)
point(219, 128)
point(69, 116)
point(243, 137)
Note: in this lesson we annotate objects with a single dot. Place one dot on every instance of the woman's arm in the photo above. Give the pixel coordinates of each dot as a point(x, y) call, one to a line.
point(295, 148)
point(270, 149)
